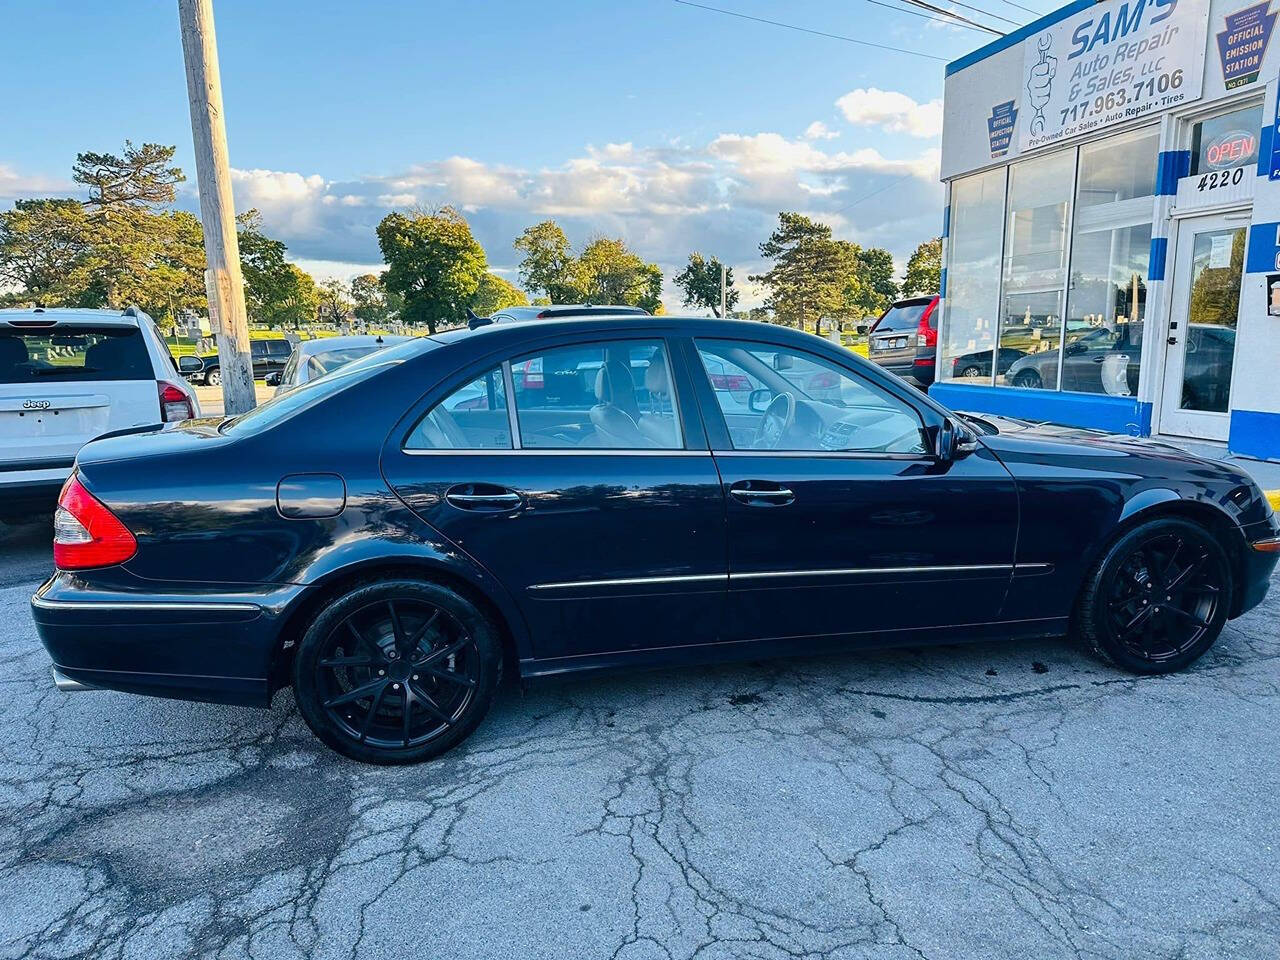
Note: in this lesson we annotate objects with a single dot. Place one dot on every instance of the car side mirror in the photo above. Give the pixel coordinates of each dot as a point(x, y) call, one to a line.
point(953, 442)
point(273, 379)
point(190, 364)
point(758, 400)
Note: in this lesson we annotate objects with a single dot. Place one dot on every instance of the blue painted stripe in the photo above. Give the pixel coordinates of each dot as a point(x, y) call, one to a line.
point(1159, 252)
point(942, 283)
point(1010, 39)
point(1126, 415)
point(1264, 149)
point(1263, 249)
point(946, 222)
point(1254, 433)
point(1171, 166)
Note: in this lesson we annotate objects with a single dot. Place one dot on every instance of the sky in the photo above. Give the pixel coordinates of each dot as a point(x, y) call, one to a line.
point(674, 127)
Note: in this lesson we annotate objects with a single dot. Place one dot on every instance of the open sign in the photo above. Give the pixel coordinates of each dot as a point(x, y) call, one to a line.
point(1231, 149)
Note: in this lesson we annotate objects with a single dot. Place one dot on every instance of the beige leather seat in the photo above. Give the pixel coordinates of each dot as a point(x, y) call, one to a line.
point(615, 413)
point(659, 428)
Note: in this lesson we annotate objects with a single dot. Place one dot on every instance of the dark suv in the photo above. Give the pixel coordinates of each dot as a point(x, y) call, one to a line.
point(268, 355)
point(905, 339)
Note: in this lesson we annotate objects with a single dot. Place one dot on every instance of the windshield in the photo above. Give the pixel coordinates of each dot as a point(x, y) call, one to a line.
point(331, 360)
point(284, 405)
point(905, 317)
point(69, 354)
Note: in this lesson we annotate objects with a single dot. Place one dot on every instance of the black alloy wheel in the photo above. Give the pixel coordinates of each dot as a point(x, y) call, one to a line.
point(396, 672)
point(1159, 598)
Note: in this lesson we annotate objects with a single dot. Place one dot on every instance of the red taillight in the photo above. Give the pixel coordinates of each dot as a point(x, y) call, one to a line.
point(174, 404)
point(85, 533)
point(923, 361)
point(926, 335)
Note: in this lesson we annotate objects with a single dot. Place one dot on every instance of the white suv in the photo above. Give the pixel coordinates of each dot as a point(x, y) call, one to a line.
point(68, 376)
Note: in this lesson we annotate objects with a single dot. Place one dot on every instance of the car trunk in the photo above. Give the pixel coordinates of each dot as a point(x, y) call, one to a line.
point(62, 386)
point(892, 342)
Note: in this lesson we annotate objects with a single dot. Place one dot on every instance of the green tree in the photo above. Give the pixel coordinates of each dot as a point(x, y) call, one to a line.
point(496, 292)
point(700, 281)
point(371, 304)
point(869, 287)
point(276, 291)
point(924, 269)
point(810, 271)
point(549, 266)
point(43, 246)
point(139, 177)
point(609, 272)
point(334, 301)
point(434, 262)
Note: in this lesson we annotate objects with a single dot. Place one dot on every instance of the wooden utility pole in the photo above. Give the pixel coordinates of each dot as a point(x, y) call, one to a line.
point(222, 280)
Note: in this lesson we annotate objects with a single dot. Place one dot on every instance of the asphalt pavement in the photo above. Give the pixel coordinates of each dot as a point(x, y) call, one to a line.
point(996, 800)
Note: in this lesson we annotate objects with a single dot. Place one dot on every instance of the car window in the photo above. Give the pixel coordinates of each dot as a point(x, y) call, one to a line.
point(290, 373)
point(257, 348)
point(473, 417)
point(800, 401)
point(68, 354)
point(906, 317)
point(601, 395)
point(328, 360)
point(279, 348)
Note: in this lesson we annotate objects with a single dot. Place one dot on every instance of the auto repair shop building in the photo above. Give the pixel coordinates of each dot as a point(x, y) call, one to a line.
point(1111, 244)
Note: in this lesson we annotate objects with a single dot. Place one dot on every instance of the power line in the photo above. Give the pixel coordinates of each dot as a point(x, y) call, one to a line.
point(957, 17)
point(925, 16)
point(966, 6)
point(816, 33)
point(867, 196)
point(1035, 13)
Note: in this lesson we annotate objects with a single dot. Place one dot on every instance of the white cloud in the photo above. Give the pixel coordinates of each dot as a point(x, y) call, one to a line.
point(820, 131)
point(892, 111)
point(15, 186)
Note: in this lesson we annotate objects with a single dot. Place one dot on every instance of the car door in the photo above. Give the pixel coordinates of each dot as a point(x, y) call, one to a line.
point(841, 521)
point(580, 477)
point(258, 356)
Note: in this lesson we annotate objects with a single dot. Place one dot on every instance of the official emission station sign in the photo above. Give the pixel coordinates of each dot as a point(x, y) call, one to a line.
point(1110, 64)
point(1242, 43)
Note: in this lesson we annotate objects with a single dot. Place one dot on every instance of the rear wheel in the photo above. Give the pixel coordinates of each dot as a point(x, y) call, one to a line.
point(1158, 598)
point(1028, 379)
point(214, 379)
point(397, 672)
point(971, 372)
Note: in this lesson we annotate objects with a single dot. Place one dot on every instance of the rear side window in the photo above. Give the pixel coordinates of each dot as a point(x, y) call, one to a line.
point(71, 354)
point(473, 417)
point(905, 318)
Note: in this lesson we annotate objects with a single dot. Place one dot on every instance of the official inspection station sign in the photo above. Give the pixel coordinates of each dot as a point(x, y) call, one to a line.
point(1109, 64)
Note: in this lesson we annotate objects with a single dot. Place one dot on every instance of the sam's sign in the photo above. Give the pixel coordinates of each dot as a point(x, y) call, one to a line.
point(1111, 63)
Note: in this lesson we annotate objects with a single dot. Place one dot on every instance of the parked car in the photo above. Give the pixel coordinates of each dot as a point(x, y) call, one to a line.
point(268, 355)
point(388, 551)
point(977, 365)
point(67, 376)
point(560, 311)
point(315, 358)
point(905, 339)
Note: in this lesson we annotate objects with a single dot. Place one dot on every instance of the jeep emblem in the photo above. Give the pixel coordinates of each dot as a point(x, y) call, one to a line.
point(35, 405)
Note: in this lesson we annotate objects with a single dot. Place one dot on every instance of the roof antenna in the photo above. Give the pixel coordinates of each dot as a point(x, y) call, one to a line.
point(474, 321)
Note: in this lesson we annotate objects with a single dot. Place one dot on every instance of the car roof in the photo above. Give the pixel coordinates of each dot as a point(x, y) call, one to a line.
point(323, 344)
point(567, 310)
point(34, 317)
point(630, 324)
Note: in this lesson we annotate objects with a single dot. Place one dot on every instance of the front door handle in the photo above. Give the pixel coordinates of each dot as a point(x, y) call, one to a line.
point(483, 497)
point(1172, 341)
point(761, 493)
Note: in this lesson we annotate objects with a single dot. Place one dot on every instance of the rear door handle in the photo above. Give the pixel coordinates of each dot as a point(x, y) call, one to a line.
point(483, 497)
point(761, 493)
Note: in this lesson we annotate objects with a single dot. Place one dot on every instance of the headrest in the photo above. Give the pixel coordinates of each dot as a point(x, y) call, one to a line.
point(656, 378)
point(615, 386)
point(13, 351)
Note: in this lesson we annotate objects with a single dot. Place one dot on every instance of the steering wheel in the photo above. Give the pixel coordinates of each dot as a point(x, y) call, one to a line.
point(777, 421)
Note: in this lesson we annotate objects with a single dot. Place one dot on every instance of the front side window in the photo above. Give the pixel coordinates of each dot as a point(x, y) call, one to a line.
point(781, 399)
point(1035, 268)
point(613, 395)
point(473, 417)
point(972, 301)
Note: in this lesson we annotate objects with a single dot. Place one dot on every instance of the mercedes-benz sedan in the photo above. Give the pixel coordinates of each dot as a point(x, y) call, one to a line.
point(564, 495)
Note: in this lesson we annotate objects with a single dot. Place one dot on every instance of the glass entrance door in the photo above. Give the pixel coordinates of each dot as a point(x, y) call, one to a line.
point(1208, 267)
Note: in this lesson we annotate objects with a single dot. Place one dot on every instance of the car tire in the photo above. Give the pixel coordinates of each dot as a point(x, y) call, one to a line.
point(214, 378)
point(382, 648)
point(971, 372)
point(1158, 598)
point(1028, 379)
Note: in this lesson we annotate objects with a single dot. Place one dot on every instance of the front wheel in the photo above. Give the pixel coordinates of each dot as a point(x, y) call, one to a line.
point(214, 379)
point(1158, 598)
point(397, 671)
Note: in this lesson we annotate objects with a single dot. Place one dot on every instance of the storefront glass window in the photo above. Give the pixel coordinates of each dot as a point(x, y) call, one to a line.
point(1035, 266)
point(1110, 255)
point(973, 277)
point(1227, 141)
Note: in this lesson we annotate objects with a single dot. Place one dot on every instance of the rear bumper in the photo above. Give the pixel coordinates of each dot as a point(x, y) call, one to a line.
point(922, 374)
point(217, 647)
point(33, 494)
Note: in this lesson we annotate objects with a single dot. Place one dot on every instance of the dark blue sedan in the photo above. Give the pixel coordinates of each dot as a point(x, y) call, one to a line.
point(562, 495)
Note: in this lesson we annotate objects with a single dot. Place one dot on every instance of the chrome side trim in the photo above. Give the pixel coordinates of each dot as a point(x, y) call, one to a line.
point(67, 685)
point(554, 452)
point(230, 607)
point(864, 571)
point(632, 581)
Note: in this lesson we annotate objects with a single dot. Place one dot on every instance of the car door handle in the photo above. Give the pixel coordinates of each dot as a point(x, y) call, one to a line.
point(470, 496)
point(757, 494)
